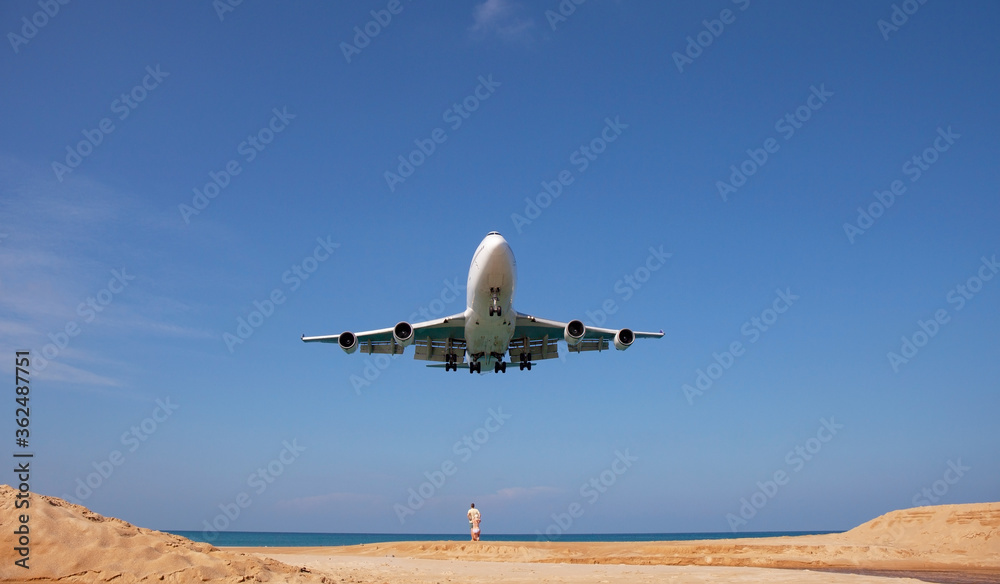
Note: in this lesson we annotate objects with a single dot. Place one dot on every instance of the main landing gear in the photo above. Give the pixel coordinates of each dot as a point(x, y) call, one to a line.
point(525, 361)
point(499, 366)
point(475, 365)
point(495, 308)
point(451, 362)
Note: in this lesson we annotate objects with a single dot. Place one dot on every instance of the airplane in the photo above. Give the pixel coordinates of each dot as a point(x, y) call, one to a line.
point(489, 328)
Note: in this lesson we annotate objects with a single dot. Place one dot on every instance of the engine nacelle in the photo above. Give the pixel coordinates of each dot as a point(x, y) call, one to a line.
point(624, 339)
point(348, 341)
point(574, 332)
point(403, 333)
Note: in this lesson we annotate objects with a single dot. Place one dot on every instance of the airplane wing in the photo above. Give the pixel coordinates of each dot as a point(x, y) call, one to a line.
point(535, 338)
point(433, 339)
point(540, 337)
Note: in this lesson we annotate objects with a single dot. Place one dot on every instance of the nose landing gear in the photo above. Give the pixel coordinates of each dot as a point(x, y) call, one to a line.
point(495, 309)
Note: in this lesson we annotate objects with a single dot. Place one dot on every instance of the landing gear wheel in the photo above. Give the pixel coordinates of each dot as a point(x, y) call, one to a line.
point(495, 308)
point(499, 367)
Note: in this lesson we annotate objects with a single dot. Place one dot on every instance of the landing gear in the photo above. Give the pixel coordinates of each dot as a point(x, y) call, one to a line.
point(495, 309)
point(498, 365)
point(475, 365)
point(451, 362)
point(525, 361)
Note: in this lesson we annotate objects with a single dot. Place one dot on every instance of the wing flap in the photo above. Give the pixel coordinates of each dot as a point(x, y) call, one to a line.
point(545, 347)
point(369, 346)
point(588, 344)
point(438, 349)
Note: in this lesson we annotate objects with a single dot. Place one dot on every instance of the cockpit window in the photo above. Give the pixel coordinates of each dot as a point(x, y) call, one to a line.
point(493, 233)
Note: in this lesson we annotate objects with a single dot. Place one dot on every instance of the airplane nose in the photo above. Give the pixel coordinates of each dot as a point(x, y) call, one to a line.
point(500, 252)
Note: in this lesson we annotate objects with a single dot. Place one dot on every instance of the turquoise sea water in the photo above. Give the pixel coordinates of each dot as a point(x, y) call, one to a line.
point(272, 539)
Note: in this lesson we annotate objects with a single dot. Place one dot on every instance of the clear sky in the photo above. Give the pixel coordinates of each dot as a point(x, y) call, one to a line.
point(170, 170)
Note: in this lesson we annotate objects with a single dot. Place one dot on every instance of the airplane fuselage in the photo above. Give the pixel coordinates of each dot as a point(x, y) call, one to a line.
point(490, 316)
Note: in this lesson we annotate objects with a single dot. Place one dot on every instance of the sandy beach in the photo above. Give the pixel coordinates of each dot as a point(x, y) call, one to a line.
point(948, 543)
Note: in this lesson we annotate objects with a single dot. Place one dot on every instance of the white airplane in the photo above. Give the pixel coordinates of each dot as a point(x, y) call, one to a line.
point(488, 328)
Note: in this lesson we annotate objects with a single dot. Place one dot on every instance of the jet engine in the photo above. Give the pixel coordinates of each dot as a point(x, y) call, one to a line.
point(348, 341)
point(403, 333)
point(574, 332)
point(624, 339)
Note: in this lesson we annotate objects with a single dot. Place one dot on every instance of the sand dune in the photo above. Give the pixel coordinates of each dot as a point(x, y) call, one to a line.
point(69, 543)
point(72, 544)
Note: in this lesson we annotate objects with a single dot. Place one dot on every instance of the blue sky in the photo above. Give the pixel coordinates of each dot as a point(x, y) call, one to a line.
point(778, 318)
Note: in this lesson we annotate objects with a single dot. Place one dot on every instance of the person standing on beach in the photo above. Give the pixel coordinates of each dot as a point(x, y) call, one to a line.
point(474, 519)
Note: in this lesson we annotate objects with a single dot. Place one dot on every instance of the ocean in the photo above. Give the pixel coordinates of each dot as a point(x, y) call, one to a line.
point(274, 539)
